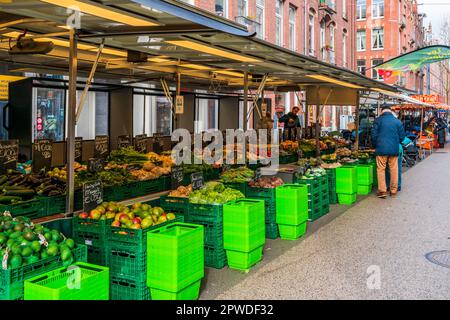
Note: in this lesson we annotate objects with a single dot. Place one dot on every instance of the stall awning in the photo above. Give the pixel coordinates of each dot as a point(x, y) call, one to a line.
point(207, 50)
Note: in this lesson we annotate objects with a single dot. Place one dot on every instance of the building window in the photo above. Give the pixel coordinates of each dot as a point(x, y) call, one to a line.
point(377, 9)
point(377, 38)
point(94, 117)
point(322, 40)
point(375, 75)
point(344, 48)
point(344, 9)
point(361, 9)
point(242, 8)
point(222, 8)
point(311, 43)
point(206, 114)
point(361, 40)
point(332, 44)
point(260, 29)
point(361, 66)
point(292, 30)
point(151, 114)
point(279, 22)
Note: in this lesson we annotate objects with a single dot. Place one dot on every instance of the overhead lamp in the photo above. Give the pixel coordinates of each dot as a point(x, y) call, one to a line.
point(102, 12)
point(213, 51)
point(332, 80)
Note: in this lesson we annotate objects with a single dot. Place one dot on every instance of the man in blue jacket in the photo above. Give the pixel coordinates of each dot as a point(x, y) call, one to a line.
point(387, 135)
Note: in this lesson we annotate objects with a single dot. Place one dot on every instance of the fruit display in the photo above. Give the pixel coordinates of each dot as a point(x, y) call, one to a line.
point(267, 183)
point(306, 147)
point(343, 152)
point(239, 175)
point(329, 141)
point(330, 165)
point(181, 192)
point(138, 216)
point(360, 155)
point(311, 162)
point(214, 193)
point(61, 173)
point(329, 157)
point(23, 243)
point(341, 142)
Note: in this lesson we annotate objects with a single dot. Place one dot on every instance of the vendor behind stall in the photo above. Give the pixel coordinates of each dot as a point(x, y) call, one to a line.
point(291, 123)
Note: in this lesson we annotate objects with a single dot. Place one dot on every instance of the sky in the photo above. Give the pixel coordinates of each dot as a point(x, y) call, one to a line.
point(436, 11)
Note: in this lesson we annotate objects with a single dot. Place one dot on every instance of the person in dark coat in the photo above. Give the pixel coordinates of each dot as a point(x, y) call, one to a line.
point(387, 135)
point(291, 122)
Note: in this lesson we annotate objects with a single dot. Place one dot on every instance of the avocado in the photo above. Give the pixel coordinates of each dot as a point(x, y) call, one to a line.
point(26, 252)
point(66, 254)
point(56, 236)
point(19, 227)
point(3, 239)
point(30, 236)
point(70, 243)
point(32, 259)
point(44, 254)
point(36, 246)
point(16, 249)
point(15, 235)
point(10, 243)
point(48, 236)
point(52, 250)
point(16, 261)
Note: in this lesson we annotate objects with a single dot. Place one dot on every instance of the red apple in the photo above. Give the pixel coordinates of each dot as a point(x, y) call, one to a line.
point(83, 215)
point(137, 221)
point(116, 224)
point(124, 218)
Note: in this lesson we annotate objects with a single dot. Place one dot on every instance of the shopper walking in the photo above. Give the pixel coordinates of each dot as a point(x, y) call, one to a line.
point(387, 135)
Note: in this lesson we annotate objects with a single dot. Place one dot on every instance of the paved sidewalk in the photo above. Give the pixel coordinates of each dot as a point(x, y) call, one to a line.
point(331, 262)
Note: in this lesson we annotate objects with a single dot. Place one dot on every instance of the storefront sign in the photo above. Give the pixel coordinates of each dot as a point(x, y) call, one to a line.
point(78, 149)
point(42, 154)
point(92, 195)
point(179, 105)
point(9, 155)
point(428, 98)
point(123, 142)
point(4, 85)
point(101, 147)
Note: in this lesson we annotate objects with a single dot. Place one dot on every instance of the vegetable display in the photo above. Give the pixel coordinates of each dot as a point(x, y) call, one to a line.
point(267, 183)
point(239, 175)
point(22, 242)
point(312, 173)
point(181, 192)
point(214, 193)
point(343, 152)
point(127, 156)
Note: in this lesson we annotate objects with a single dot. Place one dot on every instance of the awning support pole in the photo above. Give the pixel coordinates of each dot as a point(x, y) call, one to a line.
point(357, 122)
point(89, 82)
point(178, 94)
point(255, 97)
point(246, 113)
point(70, 148)
point(167, 92)
point(318, 122)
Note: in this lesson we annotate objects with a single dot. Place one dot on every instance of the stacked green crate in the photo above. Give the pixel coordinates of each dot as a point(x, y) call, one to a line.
point(244, 233)
point(373, 163)
point(364, 174)
point(92, 233)
point(175, 262)
point(91, 283)
point(325, 198)
point(127, 260)
point(331, 174)
point(211, 217)
point(346, 184)
point(292, 210)
point(318, 198)
point(269, 197)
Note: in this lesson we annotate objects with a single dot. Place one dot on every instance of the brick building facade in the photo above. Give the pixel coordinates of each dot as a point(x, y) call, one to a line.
point(387, 29)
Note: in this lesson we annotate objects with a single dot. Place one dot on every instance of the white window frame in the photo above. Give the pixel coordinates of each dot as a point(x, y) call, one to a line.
point(378, 37)
point(279, 22)
point(377, 13)
point(293, 31)
point(361, 10)
point(311, 28)
point(344, 9)
point(245, 13)
point(344, 49)
point(378, 77)
point(332, 55)
point(260, 4)
point(359, 66)
point(361, 40)
point(323, 40)
point(225, 8)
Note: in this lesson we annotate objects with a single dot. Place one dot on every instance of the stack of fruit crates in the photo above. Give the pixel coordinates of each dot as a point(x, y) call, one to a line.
point(211, 217)
point(318, 196)
point(244, 233)
point(92, 233)
point(331, 174)
point(92, 284)
point(292, 210)
point(175, 262)
point(269, 196)
point(346, 184)
point(178, 206)
point(12, 279)
point(373, 163)
point(127, 260)
point(364, 174)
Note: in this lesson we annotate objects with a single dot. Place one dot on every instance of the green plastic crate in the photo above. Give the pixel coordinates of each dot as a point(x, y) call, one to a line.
point(175, 257)
point(244, 225)
point(55, 204)
point(191, 292)
point(272, 231)
point(151, 186)
point(127, 261)
point(89, 231)
point(364, 174)
point(244, 261)
point(364, 190)
point(12, 280)
point(292, 204)
point(32, 209)
point(240, 186)
point(291, 232)
point(213, 230)
point(80, 281)
point(271, 213)
point(126, 289)
point(215, 257)
point(97, 255)
point(291, 158)
point(347, 199)
point(269, 196)
point(175, 205)
point(206, 210)
point(123, 192)
point(333, 197)
point(346, 180)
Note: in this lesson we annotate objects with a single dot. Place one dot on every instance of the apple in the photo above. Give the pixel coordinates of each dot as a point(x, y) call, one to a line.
point(135, 226)
point(116, 224)
point(137, 220)
point(124, 218)
point(84, 215)
point(95, 214)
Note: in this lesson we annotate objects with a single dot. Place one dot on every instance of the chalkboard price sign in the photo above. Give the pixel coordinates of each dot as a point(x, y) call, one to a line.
point(258, 174)
point(177, 176)
point(101, 147)
point(42, 154)
point(92, 195)
point(123, 142)
point(197, 180)
point(95, 165)
point(79, 149)
point(226, 167)
point(9, 155)
point(140, 143)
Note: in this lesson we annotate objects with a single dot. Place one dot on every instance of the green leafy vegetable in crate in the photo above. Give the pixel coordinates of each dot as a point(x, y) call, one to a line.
point(127, 156)
point(313, 173)
point(214, 193)
point(23, 243)
point(239, 175)
point(193, 168)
